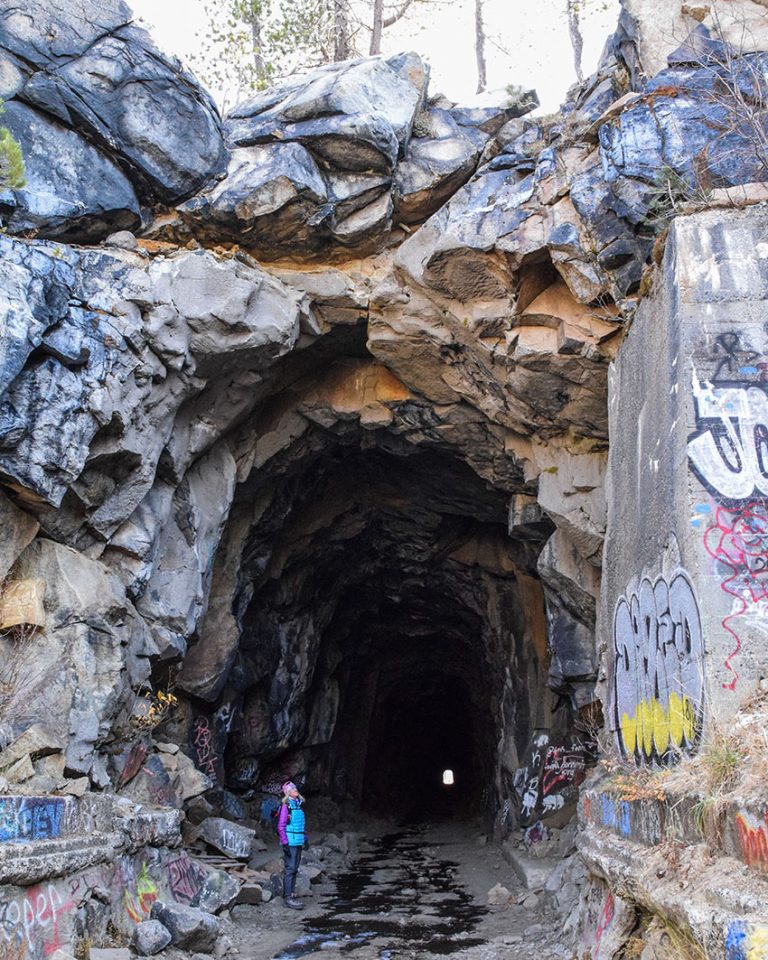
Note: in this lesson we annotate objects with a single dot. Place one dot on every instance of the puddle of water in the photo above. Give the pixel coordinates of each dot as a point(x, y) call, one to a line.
point(438, 917)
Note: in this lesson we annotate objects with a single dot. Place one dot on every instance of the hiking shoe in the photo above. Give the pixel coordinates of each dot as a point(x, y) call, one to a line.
point(293, 904)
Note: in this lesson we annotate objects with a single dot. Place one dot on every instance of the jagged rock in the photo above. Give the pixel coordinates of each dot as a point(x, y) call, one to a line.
point(102, 74)
point(36, 741)
point(499, 896)
point(150, 937)
point(190, 928)
point(367, 109)
point(72, 190)
point(250, 893)
point(22, 604)
point(19, 529)
point(76, 670)
point(439, 160)
point(218, 892)
point(20, 771)
point(230, 838)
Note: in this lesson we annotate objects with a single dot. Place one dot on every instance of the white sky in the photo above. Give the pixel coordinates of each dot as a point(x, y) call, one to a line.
point(528, 41)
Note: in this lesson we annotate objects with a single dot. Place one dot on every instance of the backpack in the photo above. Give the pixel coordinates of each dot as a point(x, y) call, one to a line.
point(275, 817)
point(270, 812)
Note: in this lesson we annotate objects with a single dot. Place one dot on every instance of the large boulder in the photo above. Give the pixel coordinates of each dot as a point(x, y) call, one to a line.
point(72, 189)
point(91, 69)
point(190, 928)
point(335, 158)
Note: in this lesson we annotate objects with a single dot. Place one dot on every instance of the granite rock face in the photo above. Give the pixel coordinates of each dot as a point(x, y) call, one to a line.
point(338, 158)
point(85, 84)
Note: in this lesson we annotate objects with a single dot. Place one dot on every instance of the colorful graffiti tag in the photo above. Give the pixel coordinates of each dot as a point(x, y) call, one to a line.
point(738, 542)
point(659, 670)
point(140, 893)
point(753, 839)
point(32, 924)
point(746, 941)
point(550, 775)
point(30, 818)
point(728, 453)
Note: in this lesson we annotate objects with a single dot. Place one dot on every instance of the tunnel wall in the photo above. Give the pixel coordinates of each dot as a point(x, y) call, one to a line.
point(687, 480)
point(683, 613)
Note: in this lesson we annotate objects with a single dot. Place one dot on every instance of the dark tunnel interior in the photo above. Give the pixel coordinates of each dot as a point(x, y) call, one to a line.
point(390, 629)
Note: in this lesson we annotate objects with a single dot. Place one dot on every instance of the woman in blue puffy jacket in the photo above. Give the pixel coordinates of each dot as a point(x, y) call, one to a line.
point(290, 830)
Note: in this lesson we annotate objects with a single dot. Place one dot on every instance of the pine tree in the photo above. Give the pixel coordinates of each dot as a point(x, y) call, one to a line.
point(12, 174)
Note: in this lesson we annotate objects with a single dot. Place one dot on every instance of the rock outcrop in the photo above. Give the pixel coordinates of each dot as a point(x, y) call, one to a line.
point(304, 428)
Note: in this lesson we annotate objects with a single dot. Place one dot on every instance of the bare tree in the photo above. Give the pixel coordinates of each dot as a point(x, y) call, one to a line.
point(340, 30)
point(381, 22)
point(573, 9)
point(482, 81)
point(377, 26)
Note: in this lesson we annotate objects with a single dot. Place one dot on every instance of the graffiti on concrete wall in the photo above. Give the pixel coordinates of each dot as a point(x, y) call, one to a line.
point(738, 543)
point(658, 693)
point(753, 839)
point(30, 818)
point(746, 941)
point(728, 453)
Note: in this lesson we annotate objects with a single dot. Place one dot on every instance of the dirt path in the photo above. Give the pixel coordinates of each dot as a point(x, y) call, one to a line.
point(413, 894)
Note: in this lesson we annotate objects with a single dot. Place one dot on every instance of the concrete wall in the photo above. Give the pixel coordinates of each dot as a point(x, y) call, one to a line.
point(684, 606)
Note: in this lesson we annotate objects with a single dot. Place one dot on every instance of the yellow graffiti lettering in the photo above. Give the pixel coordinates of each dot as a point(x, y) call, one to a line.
point(654, 726)
point(757, 943)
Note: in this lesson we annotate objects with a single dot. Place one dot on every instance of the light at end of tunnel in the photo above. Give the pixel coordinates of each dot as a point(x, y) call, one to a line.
point(447, 778)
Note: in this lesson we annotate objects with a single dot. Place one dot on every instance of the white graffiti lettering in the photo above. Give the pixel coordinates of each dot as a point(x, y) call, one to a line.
point(729, 451)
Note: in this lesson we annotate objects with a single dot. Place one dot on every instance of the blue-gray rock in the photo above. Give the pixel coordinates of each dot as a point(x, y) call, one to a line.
point(92, 68)
point(312, 160)
point(150, 937)
point(217, 892)
point(232, 839)
point(439, 160)
point(190, 928)
point(72, 190)
point(688, 123)
point(357, 114)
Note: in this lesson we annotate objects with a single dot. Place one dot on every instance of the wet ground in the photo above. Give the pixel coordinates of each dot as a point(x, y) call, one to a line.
point(399, 898)
point(415, 894)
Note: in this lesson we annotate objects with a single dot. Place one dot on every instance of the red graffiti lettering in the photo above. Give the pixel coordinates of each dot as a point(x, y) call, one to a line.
point(739, 542)
point(753, 841)
point(206, 758)
point(606, 918)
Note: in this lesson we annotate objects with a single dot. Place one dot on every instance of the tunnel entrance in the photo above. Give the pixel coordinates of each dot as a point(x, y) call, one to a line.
point(372, 619)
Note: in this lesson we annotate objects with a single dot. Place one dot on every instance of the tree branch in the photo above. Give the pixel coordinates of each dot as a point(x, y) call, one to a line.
point(398, 14)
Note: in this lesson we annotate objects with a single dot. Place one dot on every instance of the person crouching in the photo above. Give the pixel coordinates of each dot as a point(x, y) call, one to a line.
point(291, 830)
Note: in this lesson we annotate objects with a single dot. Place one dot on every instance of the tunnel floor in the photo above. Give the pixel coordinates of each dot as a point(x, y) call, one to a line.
point(416, 893)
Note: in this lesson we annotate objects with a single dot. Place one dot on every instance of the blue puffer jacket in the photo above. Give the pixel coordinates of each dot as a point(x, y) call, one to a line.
point(294, 829)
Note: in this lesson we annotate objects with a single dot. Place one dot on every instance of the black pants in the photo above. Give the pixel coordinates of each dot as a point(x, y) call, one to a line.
point(291, 864)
